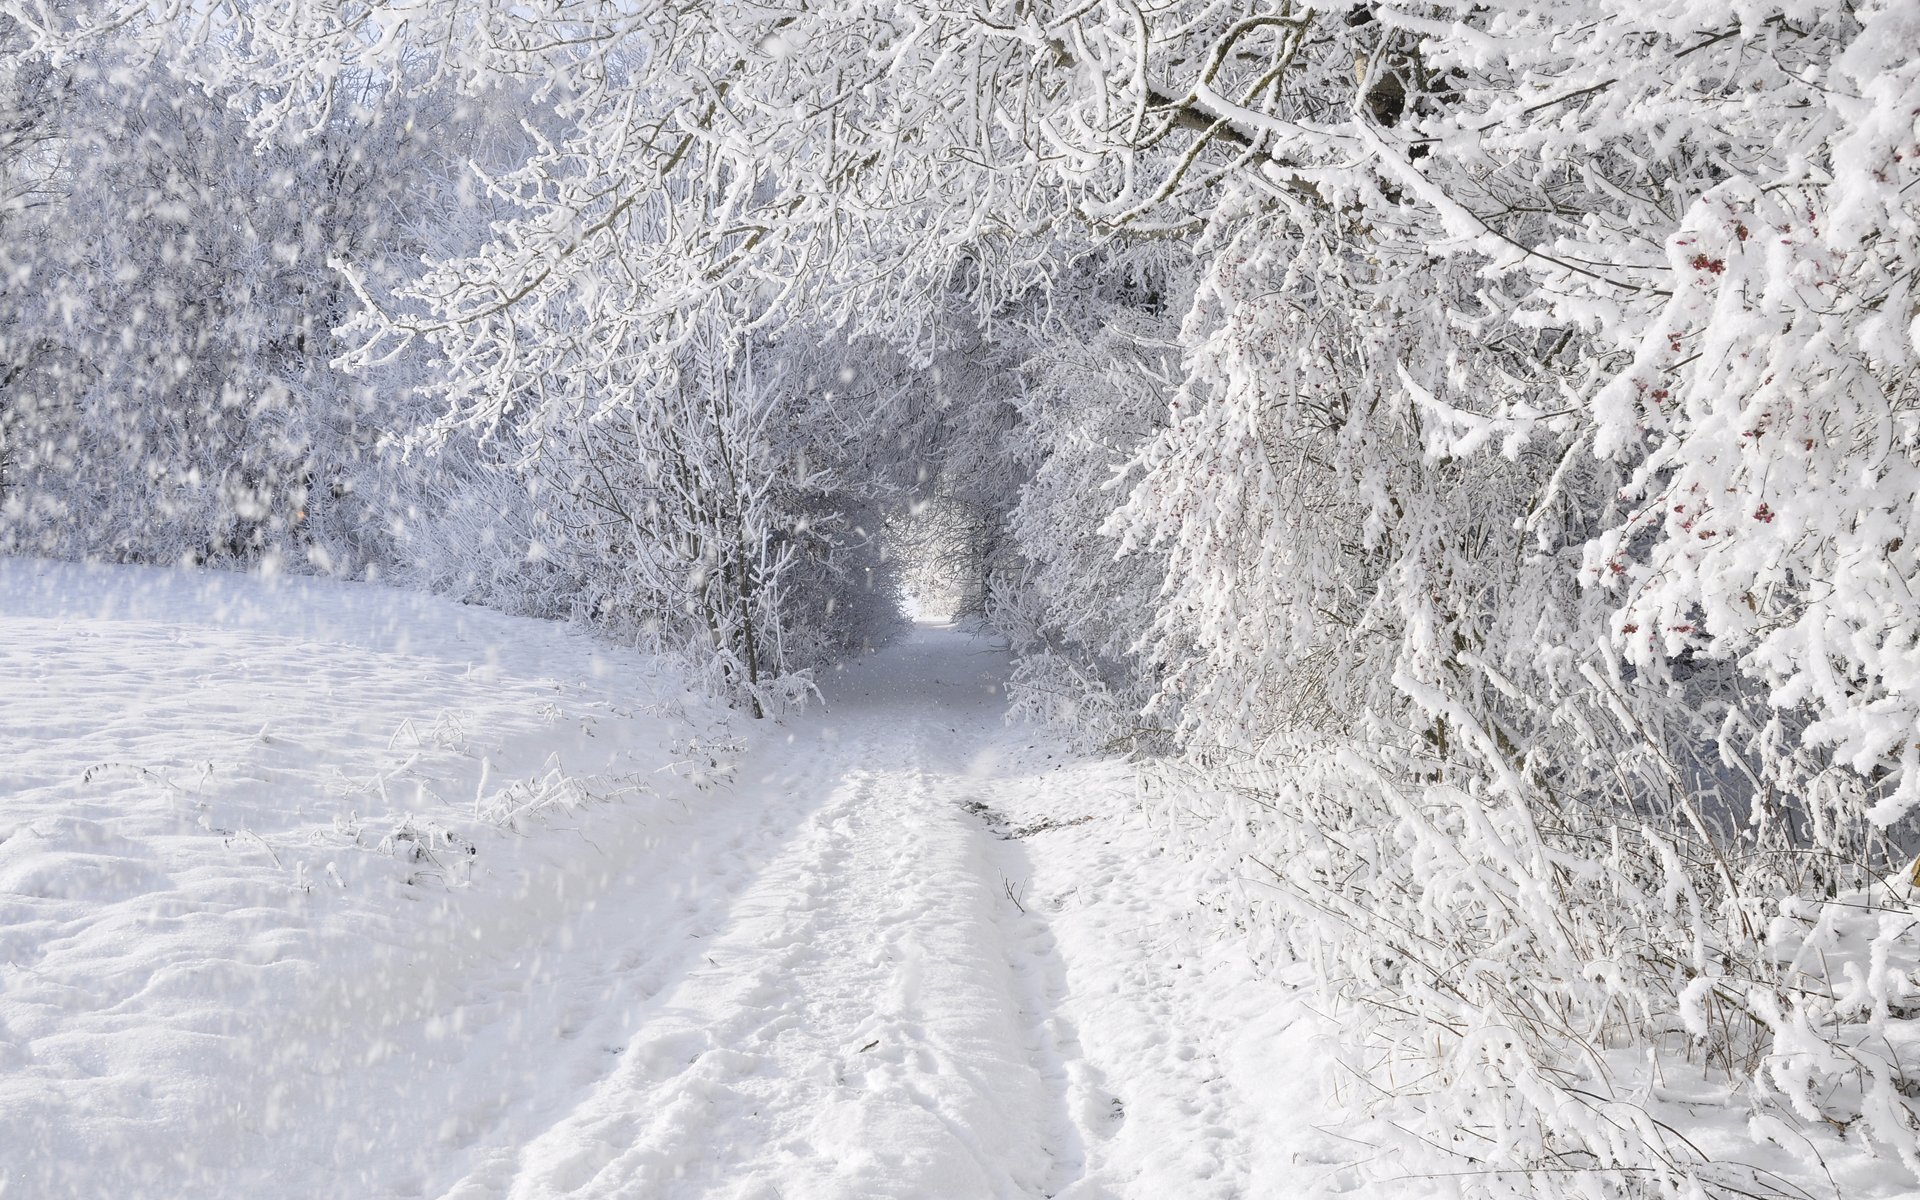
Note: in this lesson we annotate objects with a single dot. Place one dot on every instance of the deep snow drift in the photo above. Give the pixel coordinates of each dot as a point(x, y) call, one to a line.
point(314, 889)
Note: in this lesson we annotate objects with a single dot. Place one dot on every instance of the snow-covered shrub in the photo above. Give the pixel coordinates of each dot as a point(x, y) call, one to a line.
point(1487, 640)
point(167, 312)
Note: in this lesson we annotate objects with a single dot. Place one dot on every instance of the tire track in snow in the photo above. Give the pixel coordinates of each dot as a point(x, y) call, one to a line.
point(1083, 1112)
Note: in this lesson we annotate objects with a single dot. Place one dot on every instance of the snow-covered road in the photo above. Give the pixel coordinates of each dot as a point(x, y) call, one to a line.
point(864, 1014)
point(872, 1002)
point(910, 951)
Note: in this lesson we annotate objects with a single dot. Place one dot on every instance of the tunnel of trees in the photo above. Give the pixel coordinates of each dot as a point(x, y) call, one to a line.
point(1468, 452)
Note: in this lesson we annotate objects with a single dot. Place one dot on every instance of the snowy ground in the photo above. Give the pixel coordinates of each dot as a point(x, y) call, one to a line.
point(321, 890)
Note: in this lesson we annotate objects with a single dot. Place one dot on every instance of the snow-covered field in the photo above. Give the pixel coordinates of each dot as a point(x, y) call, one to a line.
point(314, 889)
point(272, 850)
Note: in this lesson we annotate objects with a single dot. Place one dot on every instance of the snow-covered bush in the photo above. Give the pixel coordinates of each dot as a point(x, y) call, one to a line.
point(1481, 623)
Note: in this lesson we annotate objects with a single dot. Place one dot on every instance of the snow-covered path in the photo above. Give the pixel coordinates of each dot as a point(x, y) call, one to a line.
point(869, 1015)
point(878, 1008)
point(910, 951)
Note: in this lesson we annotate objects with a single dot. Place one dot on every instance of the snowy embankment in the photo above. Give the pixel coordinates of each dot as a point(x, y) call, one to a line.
point(325, 890)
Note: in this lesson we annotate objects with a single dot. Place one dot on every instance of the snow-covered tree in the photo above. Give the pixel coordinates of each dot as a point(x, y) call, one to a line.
point(1473, 441)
